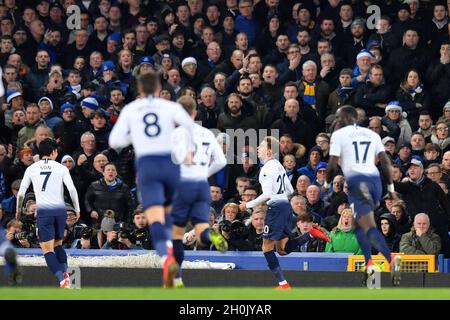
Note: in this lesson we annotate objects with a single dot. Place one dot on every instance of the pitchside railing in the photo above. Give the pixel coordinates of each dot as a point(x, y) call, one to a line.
point(410, 263)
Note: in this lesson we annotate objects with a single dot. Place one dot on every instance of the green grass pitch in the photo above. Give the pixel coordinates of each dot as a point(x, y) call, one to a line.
point(223, 294)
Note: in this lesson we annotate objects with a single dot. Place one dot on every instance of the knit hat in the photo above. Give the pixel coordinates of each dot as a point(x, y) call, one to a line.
point(49, 101)
point(70, 208)
point(404, 6)
point(358, 22)
point(393, 105)
point(115, 36)
point(318, 149)
point(188, 60)
point(364, 53)
point(321, 165)
point(165, 55)
point(107, 224)
point(447, 105)
point(64, 158)
point(415, 160)
point(90, 102)
point(11, 94)
point(67, 105)
point(147, 60)
point(108, 66)
point(387, 139)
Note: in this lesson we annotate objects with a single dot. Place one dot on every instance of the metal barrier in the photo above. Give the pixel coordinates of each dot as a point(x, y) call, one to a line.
point(410, 263)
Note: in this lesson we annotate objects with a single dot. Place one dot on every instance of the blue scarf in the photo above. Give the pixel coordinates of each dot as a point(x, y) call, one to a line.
point(344, 92)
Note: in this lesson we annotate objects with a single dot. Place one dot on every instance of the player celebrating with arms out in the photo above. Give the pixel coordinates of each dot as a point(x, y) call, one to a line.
point(48, 178)
point(148, 124)
point(276, 188)
point(357, 148)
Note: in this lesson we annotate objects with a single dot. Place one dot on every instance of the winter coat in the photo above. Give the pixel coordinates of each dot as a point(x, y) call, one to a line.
point(438, 80)
point(368, 95)
point(335, 101)
point(299, 130)
point(243, 121)
point(428, 243)
point(27, 132)
point(208, 116)
point(342, 241)
point(409, 98)
point(100, 197)
point(69, 134)
point(426, 197)
point(405, 129)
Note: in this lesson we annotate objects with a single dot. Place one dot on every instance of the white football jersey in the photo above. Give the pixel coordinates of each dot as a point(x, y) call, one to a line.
point(148, 124)
point(274, 182)
point(208, 157)
point(357, 148)
point(48, 178)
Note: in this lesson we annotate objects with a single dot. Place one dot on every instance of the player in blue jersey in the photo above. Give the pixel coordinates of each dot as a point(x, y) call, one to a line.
point(356, 149)
point(192, 199)
point(148, 124)
point(48, 178)
point(276, 188)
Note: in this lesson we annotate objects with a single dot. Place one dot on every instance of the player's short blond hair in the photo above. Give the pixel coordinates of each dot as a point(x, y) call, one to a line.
point(272, 143)
point(188, 104)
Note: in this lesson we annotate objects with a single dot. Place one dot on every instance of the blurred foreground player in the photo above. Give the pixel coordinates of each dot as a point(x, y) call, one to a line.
point(192, 199)
point(357, 149)
point(148, 124)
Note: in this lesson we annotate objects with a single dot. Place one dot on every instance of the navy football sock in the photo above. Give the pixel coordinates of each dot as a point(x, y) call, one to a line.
point(54, 266)
point(377, 240)
point(205, 237)
point(159, 238)
point(168, 225)
point(60, 254)
point(364, 243)
point(178, 253)
point(274, 265)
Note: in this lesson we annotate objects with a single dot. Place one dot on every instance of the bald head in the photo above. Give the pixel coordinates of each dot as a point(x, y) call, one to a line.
point(446, 161)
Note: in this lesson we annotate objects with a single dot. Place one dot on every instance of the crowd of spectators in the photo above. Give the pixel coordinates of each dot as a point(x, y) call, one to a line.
point(267, 64)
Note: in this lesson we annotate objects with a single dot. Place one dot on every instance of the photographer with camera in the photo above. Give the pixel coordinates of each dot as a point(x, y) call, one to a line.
point(122, 236)
point(232, 229)
point(78, 235)
point(16, 235)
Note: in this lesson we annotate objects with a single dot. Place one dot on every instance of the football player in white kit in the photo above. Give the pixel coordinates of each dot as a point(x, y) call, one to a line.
point(356, 148)
point(192, 199)
point(276, 188)
point(148, 124)
point(48, 178)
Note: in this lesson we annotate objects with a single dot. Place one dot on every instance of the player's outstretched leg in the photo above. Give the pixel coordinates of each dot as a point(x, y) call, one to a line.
point(209, 236)
point(12, 268)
